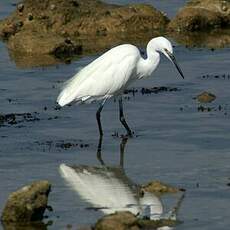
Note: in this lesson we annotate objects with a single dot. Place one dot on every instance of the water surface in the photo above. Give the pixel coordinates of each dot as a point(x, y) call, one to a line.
point(177, 143)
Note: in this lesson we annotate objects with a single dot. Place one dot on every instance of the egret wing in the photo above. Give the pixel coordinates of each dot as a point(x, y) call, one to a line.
point(106, 76)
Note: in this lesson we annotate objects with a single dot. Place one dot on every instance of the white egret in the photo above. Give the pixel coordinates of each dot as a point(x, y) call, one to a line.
point(111, 73)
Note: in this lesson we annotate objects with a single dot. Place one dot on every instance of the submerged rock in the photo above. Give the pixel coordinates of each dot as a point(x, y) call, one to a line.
point(202, 15)
point(128, 221)
point(27, 204)
point(62, 27)
point(159, 187)
point(118, 221)
point(205, 97)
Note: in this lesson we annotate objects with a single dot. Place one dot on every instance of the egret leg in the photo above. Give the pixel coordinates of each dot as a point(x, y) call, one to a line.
point(122, 118)
point(99, 150)
point(98, 116)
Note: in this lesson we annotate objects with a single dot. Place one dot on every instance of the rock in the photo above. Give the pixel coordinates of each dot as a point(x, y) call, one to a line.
point(24, 226)
point(158, 224)
point(49, 43)
point(30, 16)
point(128, 221)
point(205, 97)
point(158, 187)
point(20, 7)
point(202, 15)
point(91, 25)
point(27, 204)
point(117, 221)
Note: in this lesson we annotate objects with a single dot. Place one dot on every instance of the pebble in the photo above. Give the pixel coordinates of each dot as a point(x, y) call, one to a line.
point(30, 16)
point(20, 7)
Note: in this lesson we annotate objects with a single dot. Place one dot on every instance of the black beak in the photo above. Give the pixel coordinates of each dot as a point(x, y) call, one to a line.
point(173, 59)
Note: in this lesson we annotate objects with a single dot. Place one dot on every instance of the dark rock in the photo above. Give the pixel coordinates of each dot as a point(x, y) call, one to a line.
point(27, 204)
point(30, 17)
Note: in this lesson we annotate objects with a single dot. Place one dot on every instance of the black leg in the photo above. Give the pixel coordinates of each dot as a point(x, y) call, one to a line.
point(98, 116)
point(122, 118)
point(99, 150)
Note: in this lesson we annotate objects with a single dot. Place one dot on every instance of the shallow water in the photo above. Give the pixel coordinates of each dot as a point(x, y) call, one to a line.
point(176, 142)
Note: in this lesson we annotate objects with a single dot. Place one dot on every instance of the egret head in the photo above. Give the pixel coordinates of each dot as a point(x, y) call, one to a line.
point(163, 45)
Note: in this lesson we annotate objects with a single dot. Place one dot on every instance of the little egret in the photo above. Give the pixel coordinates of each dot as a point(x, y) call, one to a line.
point(111, 73)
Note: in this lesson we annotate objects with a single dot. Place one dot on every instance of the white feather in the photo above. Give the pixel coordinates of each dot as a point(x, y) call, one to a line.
point(103, 78)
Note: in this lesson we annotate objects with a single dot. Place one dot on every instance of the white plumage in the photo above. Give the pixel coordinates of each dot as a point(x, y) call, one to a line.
point(111, 73)
point(102, 78)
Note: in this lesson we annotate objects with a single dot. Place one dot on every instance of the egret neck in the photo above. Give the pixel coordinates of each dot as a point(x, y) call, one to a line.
point(146, 66)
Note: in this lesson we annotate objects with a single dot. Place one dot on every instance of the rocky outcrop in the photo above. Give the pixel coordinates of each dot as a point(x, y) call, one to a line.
point(27, 204)
point(63, 27)
point(202, 15)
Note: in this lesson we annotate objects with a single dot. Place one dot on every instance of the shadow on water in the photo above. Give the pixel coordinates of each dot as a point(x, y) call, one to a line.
point(108, 189)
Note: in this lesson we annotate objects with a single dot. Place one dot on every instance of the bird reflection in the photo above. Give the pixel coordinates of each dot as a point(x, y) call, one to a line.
point(109, 189)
